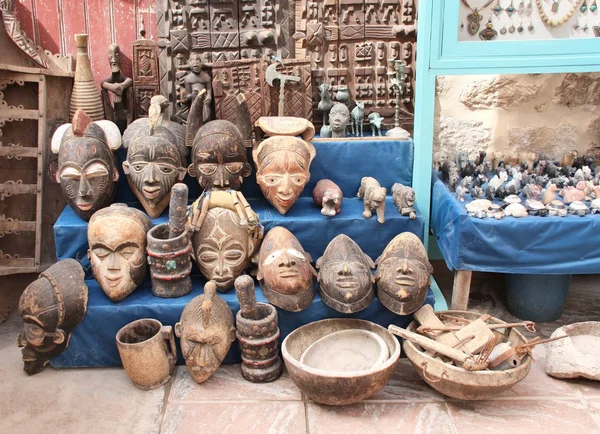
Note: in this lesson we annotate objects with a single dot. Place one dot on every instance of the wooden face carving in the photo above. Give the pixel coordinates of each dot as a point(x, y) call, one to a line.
point(223, 247)
point(153, 166)
point(283, 165)
point(117, 239)
point(284, 271)
point(219, 157)
point(51, 307)
point(345, 279)
point(403, 272)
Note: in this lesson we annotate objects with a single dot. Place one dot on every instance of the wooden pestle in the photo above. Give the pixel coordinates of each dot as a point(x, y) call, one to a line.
point(178, 210)
point(244, 289)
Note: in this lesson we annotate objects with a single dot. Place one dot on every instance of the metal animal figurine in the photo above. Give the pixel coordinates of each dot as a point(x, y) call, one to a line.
point(376, 122)
point(326, 103)
point(358, 115)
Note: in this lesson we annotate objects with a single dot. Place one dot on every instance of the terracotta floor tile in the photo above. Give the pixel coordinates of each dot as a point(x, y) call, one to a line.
point(221, 418)
point(407, 385)
point(365, 417)
point(227, 384)
point(522, 416)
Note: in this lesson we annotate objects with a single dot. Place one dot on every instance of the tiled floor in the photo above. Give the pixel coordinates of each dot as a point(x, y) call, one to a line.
point(105, 401)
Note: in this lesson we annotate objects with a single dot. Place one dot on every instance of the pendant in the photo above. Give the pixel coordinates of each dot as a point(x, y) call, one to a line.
point(586, 27)
point(530, 9)
point(474, 21)
point(594, 6)
point(498, 8)
point(520, 28)
point(510, 9)
point(555, 5)
point(521, 8)
point(597, 31)
point(462, 26)
point(511, 29)
point(503, 30)
point(584, 7)
point(488, 33)
point(530, 27)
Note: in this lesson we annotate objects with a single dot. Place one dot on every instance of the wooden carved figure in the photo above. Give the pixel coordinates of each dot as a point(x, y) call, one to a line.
point(117, 240)
point(403, 274)
point(206, 331)
point(118, 88)
point(358, 116)
point(196, 81)
point(404, 197)
point(339, 116)
point(373, 195)
point(285, 274)
point(345, 279)
point(51, 308)
point(328, 196)
point(87, 172)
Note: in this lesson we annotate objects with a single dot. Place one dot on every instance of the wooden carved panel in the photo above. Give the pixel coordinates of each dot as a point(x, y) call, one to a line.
point(146, 78)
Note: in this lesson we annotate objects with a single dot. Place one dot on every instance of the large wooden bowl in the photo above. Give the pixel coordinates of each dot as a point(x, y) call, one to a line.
point(458, 382)
point(337, 388)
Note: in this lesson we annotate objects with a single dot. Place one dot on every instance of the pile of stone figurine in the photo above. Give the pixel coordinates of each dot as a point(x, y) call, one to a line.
point(523, 184)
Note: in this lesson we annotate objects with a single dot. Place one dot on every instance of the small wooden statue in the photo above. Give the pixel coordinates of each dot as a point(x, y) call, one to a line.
point(118, 88)
point(374, 198)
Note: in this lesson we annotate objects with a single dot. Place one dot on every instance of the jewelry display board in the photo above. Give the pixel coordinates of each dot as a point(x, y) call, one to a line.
point(485, 20)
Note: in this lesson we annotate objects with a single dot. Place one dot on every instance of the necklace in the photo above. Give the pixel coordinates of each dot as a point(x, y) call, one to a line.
point(474, 18)
point(555, 22)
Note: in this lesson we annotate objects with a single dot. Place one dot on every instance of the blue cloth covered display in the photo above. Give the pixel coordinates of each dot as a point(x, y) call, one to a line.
point(530, 245)
point(344, 162)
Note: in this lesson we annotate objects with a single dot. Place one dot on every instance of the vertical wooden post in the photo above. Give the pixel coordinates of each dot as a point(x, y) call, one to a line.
point(461, 290)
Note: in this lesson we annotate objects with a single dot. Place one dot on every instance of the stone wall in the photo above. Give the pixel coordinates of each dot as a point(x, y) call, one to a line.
point(551, 113)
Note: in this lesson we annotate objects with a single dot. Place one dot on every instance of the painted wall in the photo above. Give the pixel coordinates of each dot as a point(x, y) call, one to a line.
point(551, 113)
point(52, 24)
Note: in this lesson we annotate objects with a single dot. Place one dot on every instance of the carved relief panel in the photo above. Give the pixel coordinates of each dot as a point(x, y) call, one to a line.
point(145, 75)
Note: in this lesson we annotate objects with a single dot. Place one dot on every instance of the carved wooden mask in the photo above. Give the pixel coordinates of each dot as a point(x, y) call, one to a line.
point(284, 271)
point(206, 331)
point(51, 308)
point(223, 247)
point(86, 165)
point(403, 273)
point(218, 156)
point(282, 169)
point(345, 279)
point(117, 240)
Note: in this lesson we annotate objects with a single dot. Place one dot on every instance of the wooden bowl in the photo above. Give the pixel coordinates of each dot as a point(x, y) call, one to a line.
point(458, 382)
point(337, 388)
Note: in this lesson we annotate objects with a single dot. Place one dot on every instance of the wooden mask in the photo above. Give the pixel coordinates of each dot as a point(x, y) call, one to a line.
point(223, 247)
point(206, 331)
point(86, 165)
point(284, 271)
point(403, 274)
point(282, 169)
point(117, 240)
point(345, 279)
point(51, 308)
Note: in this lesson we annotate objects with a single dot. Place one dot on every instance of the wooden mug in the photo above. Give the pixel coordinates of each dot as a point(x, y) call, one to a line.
point(148, 352)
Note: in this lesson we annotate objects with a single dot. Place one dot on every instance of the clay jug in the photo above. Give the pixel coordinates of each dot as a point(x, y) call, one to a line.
point(85, 94)
point(148, 353)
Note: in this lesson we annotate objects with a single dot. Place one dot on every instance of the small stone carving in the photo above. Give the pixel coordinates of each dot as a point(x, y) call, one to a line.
point(345, 279)
point(549, 194)
point(118, 88)
point(376, 122)
point(536, 208)
point(328, 196)
point(285, 274)
point(595, 206)
point(495, 211)
point(358, 116)
point(572, 194)
point(86, 165)
point(339, 116)
point(498, 179)
point(578, 208)
point(373, 195)
point(478, 208)
point(51, 308)
point(516, 210)
point(195, 82)
point(477, 192)
point(577, 355)
point(169, 250)
point(403, 274)
point(404, 198)
point(325, 104)
point(117, 240)
point(450, 174)
point(557, 208)
point(206, 331)
point(258, 333)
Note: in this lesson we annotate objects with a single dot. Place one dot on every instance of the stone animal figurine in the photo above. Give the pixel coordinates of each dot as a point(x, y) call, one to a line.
point(450, 174)
point(498, 179)
point(118, 88)
point(514, 185)
point(376, 122)
point(532, 191)
point(568, 158)
point(404, 198)
point(328, 196)
point(339, 116)
point(285, 273)
point(206, 331)
point(460, 193)
point(358, 116)
point(373, 195)
point(87, 170)
point(477, 192)
point(325, 104)
point(51, 307)
point(516, 210)
point(549, 194)
point(403, 274)
point(117, 253)
point(345, 280)
point(572, 194)
point(439, 158)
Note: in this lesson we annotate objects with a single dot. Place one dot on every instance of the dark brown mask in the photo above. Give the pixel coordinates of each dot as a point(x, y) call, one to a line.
point(284, 271)
point(219, 157)
point(345, 279)
point(86, 165)
point(403, 273)
point(51, 308)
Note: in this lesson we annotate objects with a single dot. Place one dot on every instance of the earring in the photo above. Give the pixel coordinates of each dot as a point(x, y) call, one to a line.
point(511, 9)
point(498, 8)
point(503, 30)
point(520, 28)
point(530, 26)
point(584, 7)
point(594, 6)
